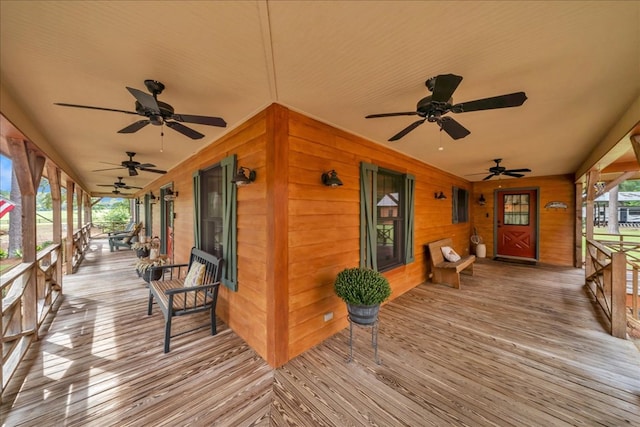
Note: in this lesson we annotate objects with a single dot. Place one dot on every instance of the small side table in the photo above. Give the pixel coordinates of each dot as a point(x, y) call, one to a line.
point(374, 338)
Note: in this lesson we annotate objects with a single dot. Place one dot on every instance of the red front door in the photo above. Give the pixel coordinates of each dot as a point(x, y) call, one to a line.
point(516, 223)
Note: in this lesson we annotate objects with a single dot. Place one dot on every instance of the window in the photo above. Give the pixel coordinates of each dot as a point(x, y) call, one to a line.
point(516, 209)
point(460, 205)
point(386, 218)
point(215, 228)
point(211, 210)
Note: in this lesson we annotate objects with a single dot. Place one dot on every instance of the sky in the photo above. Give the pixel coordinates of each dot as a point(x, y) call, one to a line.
point(5, 173)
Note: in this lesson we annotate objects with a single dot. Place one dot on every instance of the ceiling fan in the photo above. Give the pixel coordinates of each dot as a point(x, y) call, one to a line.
point(133, 167)
point(119, 184)
point(435, 106)
point(118, 192)
point(498, 170)
point(157, 112)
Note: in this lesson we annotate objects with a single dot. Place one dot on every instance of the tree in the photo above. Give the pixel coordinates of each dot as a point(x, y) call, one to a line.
point(15, 217)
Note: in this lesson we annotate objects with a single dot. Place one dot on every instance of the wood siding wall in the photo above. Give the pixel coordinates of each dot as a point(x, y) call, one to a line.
point(244, 311)
point(557, 229)
point(295, 234)
point(324, 223)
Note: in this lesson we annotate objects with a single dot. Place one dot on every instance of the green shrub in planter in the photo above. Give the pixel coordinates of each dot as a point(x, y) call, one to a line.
point(362, 286)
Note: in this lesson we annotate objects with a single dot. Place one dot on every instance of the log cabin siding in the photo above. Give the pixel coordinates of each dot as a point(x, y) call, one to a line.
point(245, 311)
point(324, 224)
point(556, 226)
point(295, 234)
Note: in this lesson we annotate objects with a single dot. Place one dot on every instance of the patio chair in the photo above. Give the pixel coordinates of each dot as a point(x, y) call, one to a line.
point(126, 230)
point(124, 240)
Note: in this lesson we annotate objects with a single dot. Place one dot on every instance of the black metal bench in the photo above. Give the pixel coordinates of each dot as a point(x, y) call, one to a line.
point(174, 299)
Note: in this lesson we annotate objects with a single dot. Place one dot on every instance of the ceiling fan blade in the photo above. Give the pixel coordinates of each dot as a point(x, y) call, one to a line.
point(135, 127)
point(132, 171)
point(93, 108)
point(184, 130)
point(502, 101)
point(152, 170)
point(518, 170)
point(200, 120)
point(105, 185)
point(515, 175)
point(406, 130)
point(108, 169)
point(146, 165)
point(453, 128)
point(129, 187)
point(407, 113)
point(489, 176)
point(146, 100)
point(444, 87)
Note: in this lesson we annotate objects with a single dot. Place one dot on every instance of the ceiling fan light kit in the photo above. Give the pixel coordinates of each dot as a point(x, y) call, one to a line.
point(157, 113)
point(434, 107)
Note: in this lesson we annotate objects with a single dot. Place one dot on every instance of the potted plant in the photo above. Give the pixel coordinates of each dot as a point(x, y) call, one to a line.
point(144, 267)
point(144, 246)
point(363, 290)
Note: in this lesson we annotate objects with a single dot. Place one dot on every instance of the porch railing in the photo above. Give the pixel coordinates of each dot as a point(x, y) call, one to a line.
point(605, 272)
point(630, 245)
point(80, 245)
point(29, 292)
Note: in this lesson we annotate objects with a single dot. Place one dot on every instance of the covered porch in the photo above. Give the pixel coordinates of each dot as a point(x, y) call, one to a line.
point(516, 345)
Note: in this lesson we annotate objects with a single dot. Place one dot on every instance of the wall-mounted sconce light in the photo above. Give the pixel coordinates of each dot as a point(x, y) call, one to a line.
point(138, 202)
point(330, 179)
point(482, 201)
point(152, 198)
point(170, 195)
point(440, 196)
point(242, 179)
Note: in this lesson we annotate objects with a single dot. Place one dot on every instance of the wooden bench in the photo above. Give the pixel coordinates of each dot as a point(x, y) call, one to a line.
point(174, 299)
point(448, 272)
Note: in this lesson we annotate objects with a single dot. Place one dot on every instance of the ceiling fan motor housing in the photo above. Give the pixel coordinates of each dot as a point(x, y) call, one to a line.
point(432, 110)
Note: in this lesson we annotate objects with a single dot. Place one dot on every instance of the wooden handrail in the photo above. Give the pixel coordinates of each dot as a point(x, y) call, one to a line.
point(630, 245)
point(605, 275)
point(41, 278)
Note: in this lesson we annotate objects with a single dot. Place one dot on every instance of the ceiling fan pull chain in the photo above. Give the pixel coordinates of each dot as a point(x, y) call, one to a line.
point(162, 139)
point(440, 148)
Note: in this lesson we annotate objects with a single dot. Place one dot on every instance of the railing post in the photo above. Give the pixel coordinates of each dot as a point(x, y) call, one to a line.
point(619, 295)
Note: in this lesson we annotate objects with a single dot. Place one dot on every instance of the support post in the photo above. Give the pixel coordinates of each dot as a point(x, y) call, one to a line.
point(619, 295)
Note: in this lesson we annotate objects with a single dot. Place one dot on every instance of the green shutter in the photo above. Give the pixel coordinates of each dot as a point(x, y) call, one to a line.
point(147, 216)
point(196, 209)
point(368, 216)
point(229, 224)
point(409, 190)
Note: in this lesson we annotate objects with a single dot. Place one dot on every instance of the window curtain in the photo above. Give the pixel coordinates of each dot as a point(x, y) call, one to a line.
point(229, 222)
point(368, 215)
point(196, 209)
point(409, 191)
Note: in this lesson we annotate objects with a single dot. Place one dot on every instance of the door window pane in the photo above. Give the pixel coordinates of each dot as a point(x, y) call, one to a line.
point(516, 209)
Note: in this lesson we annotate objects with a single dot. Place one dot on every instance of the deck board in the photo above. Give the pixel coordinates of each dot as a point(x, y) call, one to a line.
point(517, 345)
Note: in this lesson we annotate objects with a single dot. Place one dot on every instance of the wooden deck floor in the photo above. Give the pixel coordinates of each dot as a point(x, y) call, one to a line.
point(517, 345)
